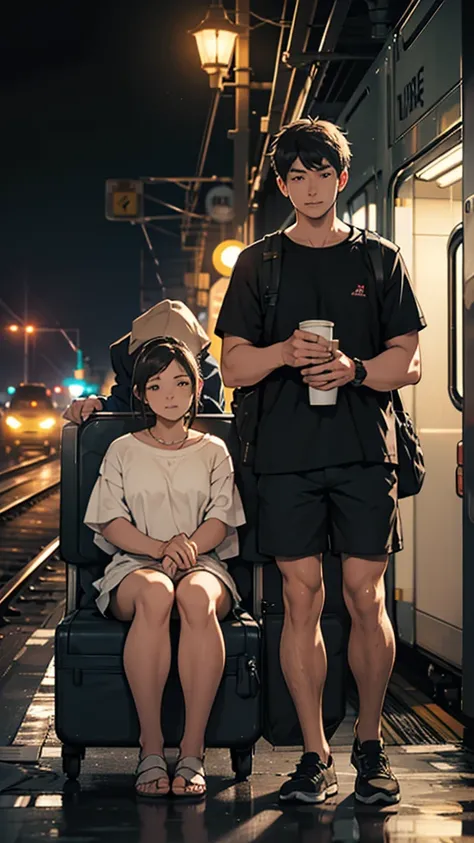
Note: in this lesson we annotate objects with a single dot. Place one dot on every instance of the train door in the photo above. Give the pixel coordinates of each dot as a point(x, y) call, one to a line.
point(427, 218)
point(468, 398)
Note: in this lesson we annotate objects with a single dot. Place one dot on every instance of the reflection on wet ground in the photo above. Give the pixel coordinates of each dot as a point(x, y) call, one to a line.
point(38, 804)
point(437, 802)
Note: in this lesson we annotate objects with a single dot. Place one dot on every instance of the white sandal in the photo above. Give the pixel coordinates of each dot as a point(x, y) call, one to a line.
point(191, 769)
point(145, 775)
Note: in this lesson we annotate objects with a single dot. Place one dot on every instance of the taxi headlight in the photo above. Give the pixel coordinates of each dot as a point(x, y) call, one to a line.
point(47, 424)
point(13, 422)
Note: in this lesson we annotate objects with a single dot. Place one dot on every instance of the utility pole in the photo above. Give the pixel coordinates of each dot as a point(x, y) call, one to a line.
point(142, 282)
point(241, 131)
point(25, 337)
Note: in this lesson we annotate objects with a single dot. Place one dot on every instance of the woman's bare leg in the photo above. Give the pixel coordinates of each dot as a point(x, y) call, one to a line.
point(146, 598)
point(202, 600)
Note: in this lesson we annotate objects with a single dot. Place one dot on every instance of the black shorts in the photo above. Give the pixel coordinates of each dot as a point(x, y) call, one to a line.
point(350, 509)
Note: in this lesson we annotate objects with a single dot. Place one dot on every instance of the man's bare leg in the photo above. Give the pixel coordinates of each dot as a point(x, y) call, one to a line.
point(371, 642)
point(302, 650)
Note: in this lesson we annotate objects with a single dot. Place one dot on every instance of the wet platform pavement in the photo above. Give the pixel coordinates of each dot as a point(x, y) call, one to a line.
point(37, 803)
point(437, 784)
point(436, 803)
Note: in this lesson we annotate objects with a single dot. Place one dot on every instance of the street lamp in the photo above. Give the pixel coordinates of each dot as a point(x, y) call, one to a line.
point(27, 331)
point(31, 329)
point(215, 38)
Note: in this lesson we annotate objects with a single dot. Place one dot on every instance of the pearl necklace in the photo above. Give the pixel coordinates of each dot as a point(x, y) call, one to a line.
point(163, 441)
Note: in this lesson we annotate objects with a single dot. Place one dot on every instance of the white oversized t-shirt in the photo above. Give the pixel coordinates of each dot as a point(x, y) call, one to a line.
point(164, 493)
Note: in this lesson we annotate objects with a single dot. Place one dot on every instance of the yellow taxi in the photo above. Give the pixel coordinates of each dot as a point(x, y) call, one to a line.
point(31, 420)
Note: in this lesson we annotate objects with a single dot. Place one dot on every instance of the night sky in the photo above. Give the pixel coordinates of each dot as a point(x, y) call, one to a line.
point(90, 91)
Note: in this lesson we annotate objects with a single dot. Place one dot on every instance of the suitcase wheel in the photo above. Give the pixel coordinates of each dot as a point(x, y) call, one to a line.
point(242, 760)
point(72, 761)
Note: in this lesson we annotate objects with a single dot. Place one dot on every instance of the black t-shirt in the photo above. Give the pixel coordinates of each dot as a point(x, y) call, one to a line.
point(334, 283)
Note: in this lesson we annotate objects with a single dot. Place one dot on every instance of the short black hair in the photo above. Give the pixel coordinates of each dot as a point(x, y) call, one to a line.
point(154, 357)
point(311, 141)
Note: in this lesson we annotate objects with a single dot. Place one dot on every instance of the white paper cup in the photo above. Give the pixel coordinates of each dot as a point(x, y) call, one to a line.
point(320, 397)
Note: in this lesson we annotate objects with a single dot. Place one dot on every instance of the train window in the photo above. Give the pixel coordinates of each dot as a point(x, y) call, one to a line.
point(358, 210)
point(362, 210)
point(372, 216)
point(456, 390)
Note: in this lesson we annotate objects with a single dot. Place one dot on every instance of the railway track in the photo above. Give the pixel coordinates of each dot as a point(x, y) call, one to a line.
point(23, 485)
point(21, 467)
point(31, 577)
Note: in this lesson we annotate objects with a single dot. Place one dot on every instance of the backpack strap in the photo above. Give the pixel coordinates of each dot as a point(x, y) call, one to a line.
point(270, 281)
point(372, 247)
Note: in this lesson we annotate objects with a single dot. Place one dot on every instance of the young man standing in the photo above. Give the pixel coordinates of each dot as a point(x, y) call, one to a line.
point(327, 474)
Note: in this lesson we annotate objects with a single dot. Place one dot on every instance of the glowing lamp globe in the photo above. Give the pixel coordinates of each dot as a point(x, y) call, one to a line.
point(225, 256)
point(215, 38)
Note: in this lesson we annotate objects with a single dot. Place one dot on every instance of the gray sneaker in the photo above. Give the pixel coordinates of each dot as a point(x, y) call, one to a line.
point(375, 782)
point(313, 781)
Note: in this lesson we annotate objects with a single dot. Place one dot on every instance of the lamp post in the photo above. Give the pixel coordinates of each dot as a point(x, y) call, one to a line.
point(30, 329)
point(27, 331)
point(216, 37)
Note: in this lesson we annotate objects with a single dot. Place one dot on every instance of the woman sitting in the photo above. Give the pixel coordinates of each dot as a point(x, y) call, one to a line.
point(166, 505)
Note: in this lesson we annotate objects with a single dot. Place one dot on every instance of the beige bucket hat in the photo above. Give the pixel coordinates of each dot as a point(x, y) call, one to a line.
point(169, 318)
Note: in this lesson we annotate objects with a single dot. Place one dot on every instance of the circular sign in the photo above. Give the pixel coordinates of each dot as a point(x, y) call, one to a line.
point(225, 255)
point(220, 203)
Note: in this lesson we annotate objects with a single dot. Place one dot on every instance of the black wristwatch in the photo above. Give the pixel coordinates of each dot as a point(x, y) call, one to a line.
point(360, 372)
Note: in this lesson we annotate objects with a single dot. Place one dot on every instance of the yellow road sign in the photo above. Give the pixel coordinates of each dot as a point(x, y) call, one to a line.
point(123, 199)
point(125, 204)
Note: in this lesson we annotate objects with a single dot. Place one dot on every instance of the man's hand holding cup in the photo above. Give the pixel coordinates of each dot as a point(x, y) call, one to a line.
point(303, 348)
point(330, 375)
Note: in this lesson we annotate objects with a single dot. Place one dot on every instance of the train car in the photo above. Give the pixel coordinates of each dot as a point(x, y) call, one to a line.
point(404, 123)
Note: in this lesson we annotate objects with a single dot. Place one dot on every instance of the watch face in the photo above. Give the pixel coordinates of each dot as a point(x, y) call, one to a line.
point(360, 373)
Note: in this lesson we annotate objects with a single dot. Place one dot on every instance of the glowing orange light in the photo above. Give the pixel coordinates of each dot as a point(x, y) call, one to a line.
point(29, 329)
point(33, 403)
point(13, 328)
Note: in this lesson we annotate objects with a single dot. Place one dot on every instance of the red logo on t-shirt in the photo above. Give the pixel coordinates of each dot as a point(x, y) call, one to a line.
point(359, 291)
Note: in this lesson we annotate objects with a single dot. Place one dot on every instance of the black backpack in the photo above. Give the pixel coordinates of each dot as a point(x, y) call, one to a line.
point(246, 403)
point(411, 464)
